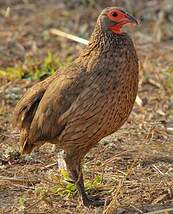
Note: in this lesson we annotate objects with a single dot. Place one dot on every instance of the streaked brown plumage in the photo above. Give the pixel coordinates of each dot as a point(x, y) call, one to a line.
point(88, 100)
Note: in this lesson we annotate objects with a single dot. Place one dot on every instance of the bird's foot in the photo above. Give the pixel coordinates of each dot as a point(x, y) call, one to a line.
point(91, 201)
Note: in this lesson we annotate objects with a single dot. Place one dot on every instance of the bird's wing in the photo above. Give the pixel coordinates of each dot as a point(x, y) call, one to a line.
point(26, 107)
point(58, 98)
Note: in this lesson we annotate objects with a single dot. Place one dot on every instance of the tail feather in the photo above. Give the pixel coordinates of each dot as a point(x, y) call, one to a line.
point(26, 147)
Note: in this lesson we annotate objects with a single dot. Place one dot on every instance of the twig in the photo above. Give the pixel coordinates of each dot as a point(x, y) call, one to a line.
point(69, 36)
point(168, 210)
point(8, 136)
point(116, 192)
point(112, 205)
point(137, 209)
point(19, 186)
point(18, 180)
point(34, 204)
point(85, 42)
point(157, 169)
point(139, 101)
point(115, 157)
point(49, 166)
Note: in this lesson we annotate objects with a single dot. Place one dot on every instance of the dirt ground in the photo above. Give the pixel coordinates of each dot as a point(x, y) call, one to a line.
point(136, 163)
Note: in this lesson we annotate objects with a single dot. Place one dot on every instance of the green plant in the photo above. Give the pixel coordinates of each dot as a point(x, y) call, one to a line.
point(12, 73)
point(93, 184)
point(33, 70)
point(65, 186)
point(22, 202)
point(46, 68)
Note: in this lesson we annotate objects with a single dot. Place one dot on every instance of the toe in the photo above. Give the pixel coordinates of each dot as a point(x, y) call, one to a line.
point(91, 201)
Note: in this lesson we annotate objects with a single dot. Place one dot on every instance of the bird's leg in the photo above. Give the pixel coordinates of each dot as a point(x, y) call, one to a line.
point(61, 163)
point(74, 167)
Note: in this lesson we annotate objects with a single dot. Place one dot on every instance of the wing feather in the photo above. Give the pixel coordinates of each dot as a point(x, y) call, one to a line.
point(29, 102)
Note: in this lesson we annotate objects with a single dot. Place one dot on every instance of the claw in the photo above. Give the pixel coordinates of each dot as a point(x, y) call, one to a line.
point(93, 202)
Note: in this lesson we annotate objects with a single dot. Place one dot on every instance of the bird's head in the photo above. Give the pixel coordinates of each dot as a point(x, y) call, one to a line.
point(114, 18)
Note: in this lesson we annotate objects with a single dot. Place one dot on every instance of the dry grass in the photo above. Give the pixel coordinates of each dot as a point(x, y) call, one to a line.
point(134, 167)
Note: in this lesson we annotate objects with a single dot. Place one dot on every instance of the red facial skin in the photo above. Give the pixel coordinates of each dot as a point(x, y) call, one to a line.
point(120, 18)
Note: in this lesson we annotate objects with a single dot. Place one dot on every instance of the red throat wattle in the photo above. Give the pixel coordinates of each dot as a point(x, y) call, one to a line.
point(119, 19)
point(116, 28)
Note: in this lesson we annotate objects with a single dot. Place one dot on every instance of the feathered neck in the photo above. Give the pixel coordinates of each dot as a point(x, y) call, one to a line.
point(102, 38)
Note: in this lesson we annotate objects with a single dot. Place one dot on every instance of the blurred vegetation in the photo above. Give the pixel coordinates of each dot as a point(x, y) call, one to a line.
point(35, 71)
point(65, 186)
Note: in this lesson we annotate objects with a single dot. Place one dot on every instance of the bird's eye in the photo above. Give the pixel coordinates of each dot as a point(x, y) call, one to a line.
point(114, 14)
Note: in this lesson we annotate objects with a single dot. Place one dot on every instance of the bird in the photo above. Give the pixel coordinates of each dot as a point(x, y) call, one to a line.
point(86, 101)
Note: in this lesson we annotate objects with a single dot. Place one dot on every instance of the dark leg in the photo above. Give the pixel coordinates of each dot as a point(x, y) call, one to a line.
point(74, 167)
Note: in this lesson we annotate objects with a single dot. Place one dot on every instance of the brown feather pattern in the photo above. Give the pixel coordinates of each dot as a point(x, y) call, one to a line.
point(94, 95)
point(88, 100)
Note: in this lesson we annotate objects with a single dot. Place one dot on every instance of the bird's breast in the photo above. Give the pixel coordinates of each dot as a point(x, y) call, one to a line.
point(119, 96)
point(105, 103)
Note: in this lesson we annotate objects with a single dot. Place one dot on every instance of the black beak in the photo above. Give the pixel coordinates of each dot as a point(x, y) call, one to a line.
point(132, 19)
